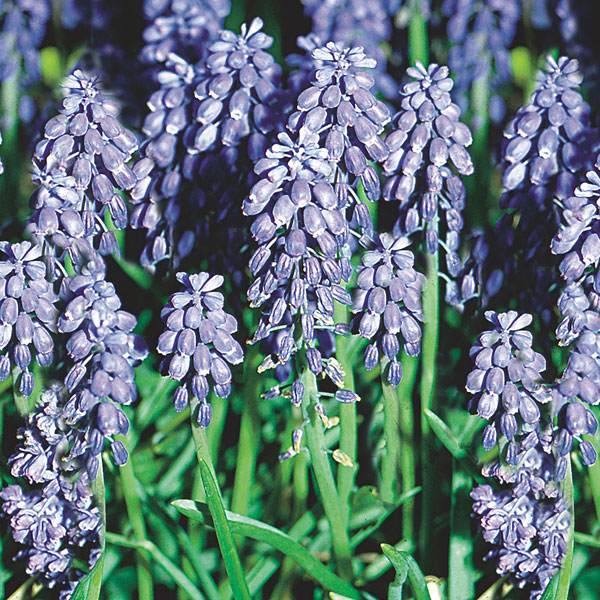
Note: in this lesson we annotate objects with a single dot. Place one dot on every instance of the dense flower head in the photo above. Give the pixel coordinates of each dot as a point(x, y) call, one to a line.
point(578, 236)
point(481, 34)
point(198, 343)
point(388, 304)
point(207, 125)
point(340, 106)
point(527, 521)
point(104, 350)
point(181, 26)
point(506, 381)
point(27, 312)
point(22, 29)
point(81, 167)
point(347, 22)
point(426, 139)
point(548, 147)
point(56, 521)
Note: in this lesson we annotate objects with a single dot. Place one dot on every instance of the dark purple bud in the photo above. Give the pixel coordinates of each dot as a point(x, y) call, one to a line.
point(119, 453)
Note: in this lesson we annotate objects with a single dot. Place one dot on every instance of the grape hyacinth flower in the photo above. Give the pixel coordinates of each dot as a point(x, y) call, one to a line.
point(198, 344)
point(548, 147)
point(481, 34)
point(104, 351)
point(340, 106)
point(27, 313)
point(207, 126)
point(56, 522)
point(527, 520)
point(505, 382)
point(22, 30)
point(388, 304)
point(347, 22)
point(427, 138)
point(184, 27)
point(81, 167)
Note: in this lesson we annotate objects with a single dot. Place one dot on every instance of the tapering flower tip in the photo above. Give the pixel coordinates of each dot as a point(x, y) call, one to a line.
point(80, 166)
point(388, 304)
point(340, 106)
point(181, 26)
point(239, 92)
point(550, 136)
point(198, 343)
point(506, 378)
point(426, 140)
point(27, 312)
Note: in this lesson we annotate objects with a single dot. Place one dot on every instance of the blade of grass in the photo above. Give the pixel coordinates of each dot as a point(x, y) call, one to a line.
point(462, 575)
point(176, 574)
point(451, 444)
point(262, 532)
point(403, 562)
point(564, 579)
point(229, 552)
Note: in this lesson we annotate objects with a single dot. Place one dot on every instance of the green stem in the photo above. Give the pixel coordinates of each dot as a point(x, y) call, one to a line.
point(480, 100)
point(249, 434)
point(594, 474)
point(427, 389)
point(404, 393)
point(200, 441)
point(391, 457)
point(9, 181)
point(564, 580)
point(322, 469)
point(346, 475)
point(100, 500)
point(136, 518)
point(418, 45)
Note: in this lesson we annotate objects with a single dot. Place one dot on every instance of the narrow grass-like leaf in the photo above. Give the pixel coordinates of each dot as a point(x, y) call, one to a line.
point(564, 575)
point(451, 444)
point(89, 586)
point(550, 593)
point(462, 575)
point(233, 565)
point(262, 532)
point(176, 574)
point(406, 566)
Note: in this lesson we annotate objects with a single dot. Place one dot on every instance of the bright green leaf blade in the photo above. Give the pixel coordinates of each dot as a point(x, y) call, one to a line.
point(233, 565)
point(564, 575)
point(89, 587)
point(402, 561)
point(279, 540)
point(551, 589)
point(462, 575)
point(451, 444)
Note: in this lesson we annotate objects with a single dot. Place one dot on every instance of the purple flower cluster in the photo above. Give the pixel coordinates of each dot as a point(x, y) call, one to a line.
point(22, 29)
point(181, 26)
point(427, 138)
point(527, 521)
point(104, 351)
point(348, 22)
point(207, 126)
point(505, 382)
point(198, 344)
point(548, 147)
point(27, 313)
point(55, 522)
point(81, 167)
point(481, 34)
point(388, 304)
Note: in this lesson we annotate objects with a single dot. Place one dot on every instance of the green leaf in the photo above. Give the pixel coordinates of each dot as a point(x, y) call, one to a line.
point(262, 532)
point(233, 565)
point(51, 67)
point(564, 575)
point(551, 589)
point(462, 575)
point(89, 587)
point(451, 444)
point(406, 567)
